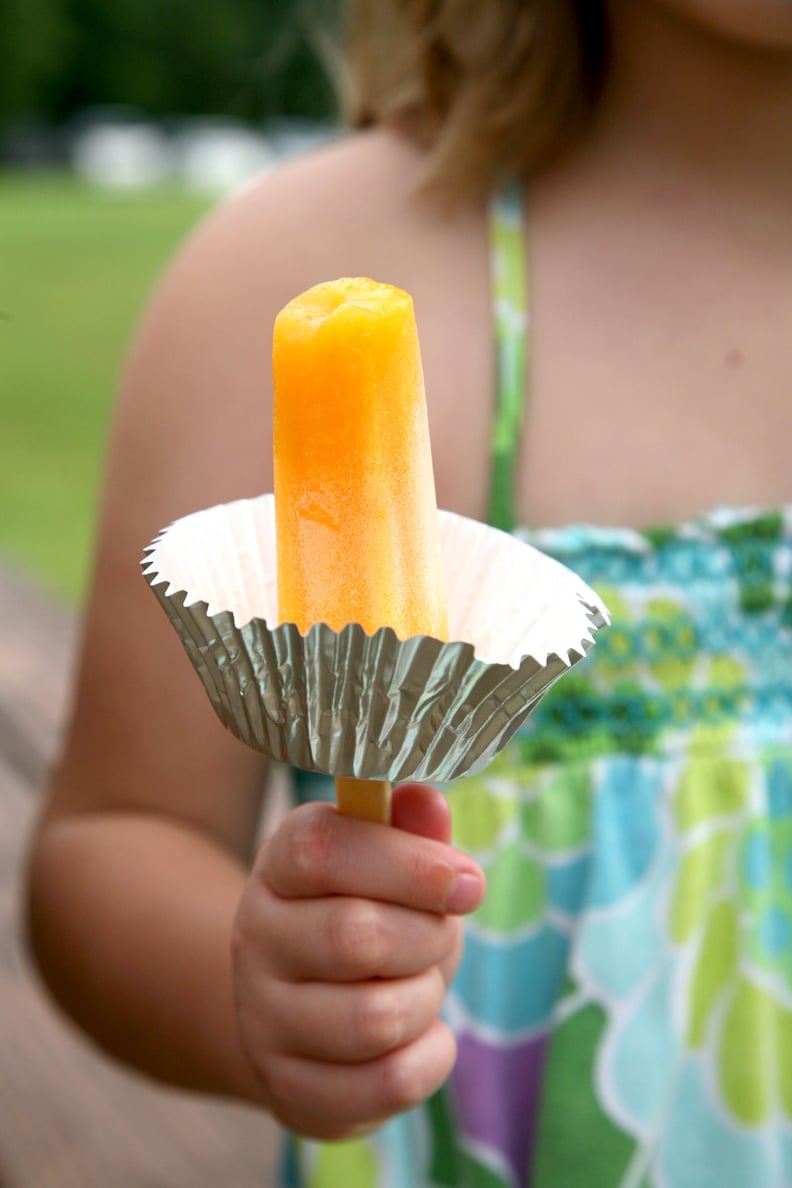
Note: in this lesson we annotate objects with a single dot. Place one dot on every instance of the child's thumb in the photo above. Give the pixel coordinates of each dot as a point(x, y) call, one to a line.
point(421, 809)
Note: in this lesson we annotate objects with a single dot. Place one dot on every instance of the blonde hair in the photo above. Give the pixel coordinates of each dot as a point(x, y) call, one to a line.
point(492, 88)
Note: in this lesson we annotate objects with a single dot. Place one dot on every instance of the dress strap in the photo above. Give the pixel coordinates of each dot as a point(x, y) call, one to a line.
point(510, 323)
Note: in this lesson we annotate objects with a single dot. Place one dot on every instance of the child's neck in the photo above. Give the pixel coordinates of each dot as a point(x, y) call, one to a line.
point(714, 110)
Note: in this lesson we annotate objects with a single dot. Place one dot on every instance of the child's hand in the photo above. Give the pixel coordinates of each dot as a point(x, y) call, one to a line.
point(346, 938)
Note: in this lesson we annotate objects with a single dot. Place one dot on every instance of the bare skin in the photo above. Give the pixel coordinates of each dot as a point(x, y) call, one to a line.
point(661, 257)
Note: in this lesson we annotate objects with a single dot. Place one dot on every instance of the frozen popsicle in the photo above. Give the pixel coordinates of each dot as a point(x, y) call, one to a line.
point(355, 507)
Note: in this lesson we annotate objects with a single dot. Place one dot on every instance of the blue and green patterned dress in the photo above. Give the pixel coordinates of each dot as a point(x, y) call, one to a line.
point(624, 1005)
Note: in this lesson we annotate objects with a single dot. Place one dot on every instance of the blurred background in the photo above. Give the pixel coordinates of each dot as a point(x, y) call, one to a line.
point(121, 124)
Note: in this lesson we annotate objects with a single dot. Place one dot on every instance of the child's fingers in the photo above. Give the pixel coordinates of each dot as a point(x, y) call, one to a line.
point(356, 1022)
point(341, 939)
point(332, 1101)
point(422, 810)
point(316, 852)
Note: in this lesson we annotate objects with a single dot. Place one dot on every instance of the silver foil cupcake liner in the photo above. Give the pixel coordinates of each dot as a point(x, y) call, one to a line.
point(371, 706)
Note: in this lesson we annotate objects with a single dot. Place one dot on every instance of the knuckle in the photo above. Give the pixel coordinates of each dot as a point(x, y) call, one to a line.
point(402, 1082)
point(381, 1019)
point(357, 939)
point(432, 875)
point(308, 845)
point(409, 1078)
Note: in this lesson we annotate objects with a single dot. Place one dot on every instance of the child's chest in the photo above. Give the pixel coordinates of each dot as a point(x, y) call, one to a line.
point(658, 385)
point(672, 394)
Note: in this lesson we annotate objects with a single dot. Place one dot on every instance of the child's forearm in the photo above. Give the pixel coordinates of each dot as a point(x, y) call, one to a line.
point(130, 920)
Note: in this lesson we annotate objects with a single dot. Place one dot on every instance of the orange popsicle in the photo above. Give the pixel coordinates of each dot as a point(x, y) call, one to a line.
point(355, 507)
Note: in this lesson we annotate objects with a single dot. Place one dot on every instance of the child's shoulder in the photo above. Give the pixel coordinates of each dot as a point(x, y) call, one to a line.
point(317, 215)
point(356, 174)
point(351, 207)
point(354, 207)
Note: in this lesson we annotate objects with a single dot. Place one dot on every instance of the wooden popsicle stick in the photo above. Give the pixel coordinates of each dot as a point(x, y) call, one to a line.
point(369, 800)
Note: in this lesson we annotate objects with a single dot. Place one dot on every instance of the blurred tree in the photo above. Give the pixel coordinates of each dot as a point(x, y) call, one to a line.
point(247, 58)
point(36, 36)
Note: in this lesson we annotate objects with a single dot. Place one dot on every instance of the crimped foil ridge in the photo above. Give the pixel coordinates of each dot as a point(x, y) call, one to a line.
point(369, 706)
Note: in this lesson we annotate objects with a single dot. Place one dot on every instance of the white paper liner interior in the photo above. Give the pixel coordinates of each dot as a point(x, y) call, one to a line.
point(504, 597)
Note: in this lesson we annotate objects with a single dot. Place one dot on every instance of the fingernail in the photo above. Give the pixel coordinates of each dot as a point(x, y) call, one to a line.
point(465, 894)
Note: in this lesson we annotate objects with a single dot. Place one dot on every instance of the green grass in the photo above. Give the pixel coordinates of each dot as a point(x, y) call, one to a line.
point(76, 265)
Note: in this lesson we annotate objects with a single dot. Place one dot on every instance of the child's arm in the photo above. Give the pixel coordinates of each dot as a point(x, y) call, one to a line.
point(139, 871)
point(130, 918)
point(141, 856)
